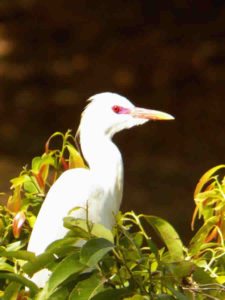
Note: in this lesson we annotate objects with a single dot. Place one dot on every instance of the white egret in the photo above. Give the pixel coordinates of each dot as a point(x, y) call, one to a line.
point(100, 187)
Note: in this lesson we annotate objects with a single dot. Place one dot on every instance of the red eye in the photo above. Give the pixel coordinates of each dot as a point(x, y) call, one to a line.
point(117, 109)
point(121, 110)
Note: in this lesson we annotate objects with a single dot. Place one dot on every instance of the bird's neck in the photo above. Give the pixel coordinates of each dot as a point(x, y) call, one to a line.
point(104, 160)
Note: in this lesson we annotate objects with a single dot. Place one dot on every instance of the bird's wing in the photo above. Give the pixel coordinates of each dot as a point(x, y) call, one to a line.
point(73, 189)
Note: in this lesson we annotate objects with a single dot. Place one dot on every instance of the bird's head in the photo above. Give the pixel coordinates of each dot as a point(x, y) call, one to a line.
point(110, 113)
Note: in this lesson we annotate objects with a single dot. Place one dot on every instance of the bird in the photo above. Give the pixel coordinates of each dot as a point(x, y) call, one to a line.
point(98, 187)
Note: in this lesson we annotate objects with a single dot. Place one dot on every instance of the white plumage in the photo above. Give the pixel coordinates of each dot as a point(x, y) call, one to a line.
point(101, 186)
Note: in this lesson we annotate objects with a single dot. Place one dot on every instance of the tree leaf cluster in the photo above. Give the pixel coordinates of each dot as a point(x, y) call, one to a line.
point(92, 262)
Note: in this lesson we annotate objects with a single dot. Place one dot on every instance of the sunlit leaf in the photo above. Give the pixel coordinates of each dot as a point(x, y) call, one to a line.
point(75, 159)
point(100, 230)
point(18, 181)
point(57, 245)
point(19, 254)
point(15, 246)
point(168, 235)
point(14, 202)
point(199, 238)
point(20, 279)
point(88, 288)
point(35, 164)
point(40, 262)
point(220, 279)
point(40, 161)
point(69, 266)
point(31, 219)
point(205, 179)
point(94, 250)
point(6, 266)
point(11, 292)
point(60, 294)
point(77, 226)
point(30, 187)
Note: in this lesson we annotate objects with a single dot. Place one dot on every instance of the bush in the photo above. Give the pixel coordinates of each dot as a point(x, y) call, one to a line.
point(126, 263)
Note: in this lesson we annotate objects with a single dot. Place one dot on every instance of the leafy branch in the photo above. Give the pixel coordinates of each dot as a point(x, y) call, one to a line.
point(126, 263)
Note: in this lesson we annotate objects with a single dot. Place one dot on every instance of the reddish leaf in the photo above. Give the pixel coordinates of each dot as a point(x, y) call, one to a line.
point(194, 217)
point(18, 222)
point(64, 163)
point(39, 177)
point(212, 235)
point(40, 180)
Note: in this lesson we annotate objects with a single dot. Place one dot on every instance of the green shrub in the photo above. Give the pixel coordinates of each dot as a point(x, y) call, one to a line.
point(123, 264)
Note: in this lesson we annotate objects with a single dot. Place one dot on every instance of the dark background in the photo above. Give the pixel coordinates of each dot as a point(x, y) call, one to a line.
point(167, 55)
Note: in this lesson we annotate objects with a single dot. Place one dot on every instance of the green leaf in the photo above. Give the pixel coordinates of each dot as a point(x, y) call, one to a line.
point(58, 246)
point(15, 246)
point(221, 279)
point(205, 178)
point(60, 294)
point(11, 292)
point(153, 248)
point(6, 267)
point(100, 231)
point(164, 297)
point(75, 159)
point(69, 266)
point(136, 297)
point(78, 227)
point(199, 238)
point(20, 279)
point(138, 239)
point(202, 277)
point(30, 187)
point(114, 294)
point(168, 235)
point(39, 161)
point(181, 270)
point(20, 254)
point(94, 250)
point(14, 201)
point(87, 288)
point(175, 292)
point(40, 262)
point(19, 180)
point(35, 164)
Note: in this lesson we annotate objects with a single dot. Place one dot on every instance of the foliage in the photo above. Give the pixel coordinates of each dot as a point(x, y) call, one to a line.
point(30, 187)
point(127, 263)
